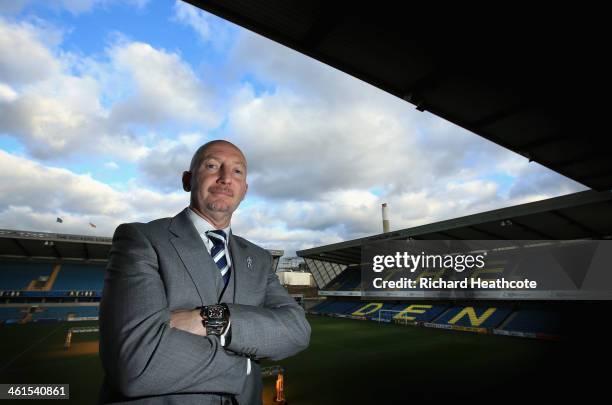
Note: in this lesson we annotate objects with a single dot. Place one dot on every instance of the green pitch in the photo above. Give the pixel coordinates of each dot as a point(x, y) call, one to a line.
point(351, 361)
point(34, 353)
point(348, 361)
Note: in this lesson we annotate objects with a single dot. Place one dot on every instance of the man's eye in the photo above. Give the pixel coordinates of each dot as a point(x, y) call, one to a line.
point(211, 166)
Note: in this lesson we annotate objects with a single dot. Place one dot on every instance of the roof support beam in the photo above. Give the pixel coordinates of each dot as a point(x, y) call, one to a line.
point(87, 252)
point(25, 251)
point(488, 233)
point(532, 230)
point(577, 224)
point(500, 115)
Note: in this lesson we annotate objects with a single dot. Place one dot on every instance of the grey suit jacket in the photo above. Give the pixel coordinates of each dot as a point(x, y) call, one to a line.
point(162, 266)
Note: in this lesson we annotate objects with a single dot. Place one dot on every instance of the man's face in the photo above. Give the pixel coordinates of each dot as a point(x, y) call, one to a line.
point(219, 184)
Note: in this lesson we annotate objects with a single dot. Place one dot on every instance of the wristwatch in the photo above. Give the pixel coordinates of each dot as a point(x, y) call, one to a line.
point(215, 318)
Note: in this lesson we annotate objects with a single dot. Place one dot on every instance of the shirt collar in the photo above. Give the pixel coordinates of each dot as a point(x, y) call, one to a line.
point(202, 225)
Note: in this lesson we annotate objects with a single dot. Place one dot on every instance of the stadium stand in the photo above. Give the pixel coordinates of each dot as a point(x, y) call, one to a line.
point(54, 277)
point(533, 321)
point(18, 275)
point(348, 280)
point(578, 216)
point(484, 317)
point(80, 277)
point(521, 322)
point(65, 312)
point(318, 308)
point(340, 307)
point(35, 282)
point(381, 311)
point(375, 310)
point(421, 312)
point(45, 291)
point(43, 312)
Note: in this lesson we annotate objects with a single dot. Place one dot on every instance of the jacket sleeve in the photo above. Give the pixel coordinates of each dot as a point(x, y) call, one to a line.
point(141, 354)
point(276, 330)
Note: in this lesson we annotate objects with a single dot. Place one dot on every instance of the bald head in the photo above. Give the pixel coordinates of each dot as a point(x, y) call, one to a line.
point(217, 181)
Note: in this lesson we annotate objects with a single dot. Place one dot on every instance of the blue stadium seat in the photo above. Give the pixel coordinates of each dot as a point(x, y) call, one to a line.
point(428, 313)
point(534, 321)
point(485, 317)
point(320, 307)
point(17, 276)
point(335, 307)
point(348, 280)
point(343, 307)
point(80, 277)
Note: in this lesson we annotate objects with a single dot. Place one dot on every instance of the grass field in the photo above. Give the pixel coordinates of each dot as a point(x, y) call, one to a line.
point(34, 353)
point(347, 362)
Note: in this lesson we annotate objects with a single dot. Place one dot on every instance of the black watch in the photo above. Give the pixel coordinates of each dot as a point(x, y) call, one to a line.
point(215, 318)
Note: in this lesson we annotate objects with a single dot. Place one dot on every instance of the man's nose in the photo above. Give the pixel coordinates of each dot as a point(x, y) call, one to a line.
point(225, 175)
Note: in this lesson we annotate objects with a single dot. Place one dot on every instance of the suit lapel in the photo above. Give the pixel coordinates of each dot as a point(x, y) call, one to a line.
point(200, 266)
point(242, 273)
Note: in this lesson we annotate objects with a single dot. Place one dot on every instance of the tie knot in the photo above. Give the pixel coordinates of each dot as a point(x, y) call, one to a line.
point(217, 236)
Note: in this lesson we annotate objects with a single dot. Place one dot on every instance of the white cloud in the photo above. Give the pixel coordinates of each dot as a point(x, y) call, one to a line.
point(350, 214)
point(195, 18)
point(262, 224)
point(58, 111)
point(163, 88)
point(111, 165)
point(26, 183)
point(7, 94)
point(25, 57)
point(324, 149)
point(74, 7)
point(33, 195)
point(345, 215)
point(163, 166)
point(209, 28)
point(12, 6)
point(301, 147)
point(54, 116)
point(316, 132)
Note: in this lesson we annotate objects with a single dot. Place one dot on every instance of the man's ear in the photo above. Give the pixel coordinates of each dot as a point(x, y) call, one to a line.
point(187, 181)
point(245, 191)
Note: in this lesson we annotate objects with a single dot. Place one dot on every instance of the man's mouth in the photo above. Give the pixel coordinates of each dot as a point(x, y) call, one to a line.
point(222, 191)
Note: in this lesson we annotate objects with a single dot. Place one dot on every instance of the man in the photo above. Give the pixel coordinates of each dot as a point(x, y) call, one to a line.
point(189, 308)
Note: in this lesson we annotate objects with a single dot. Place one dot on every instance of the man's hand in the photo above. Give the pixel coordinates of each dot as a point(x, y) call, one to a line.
point(188, 320)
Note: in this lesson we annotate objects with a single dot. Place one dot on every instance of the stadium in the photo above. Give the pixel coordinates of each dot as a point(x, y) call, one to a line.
point(52, 284)
point(377, 347)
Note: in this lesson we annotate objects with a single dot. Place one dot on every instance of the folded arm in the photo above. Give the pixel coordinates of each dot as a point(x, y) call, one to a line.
point(141, 354)
point(276, 330)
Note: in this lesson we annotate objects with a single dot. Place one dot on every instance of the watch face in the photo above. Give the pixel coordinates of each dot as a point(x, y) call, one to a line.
point(215, 312)
point(215, 318)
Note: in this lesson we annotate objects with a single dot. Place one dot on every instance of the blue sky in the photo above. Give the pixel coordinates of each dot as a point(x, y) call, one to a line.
point(102, 103)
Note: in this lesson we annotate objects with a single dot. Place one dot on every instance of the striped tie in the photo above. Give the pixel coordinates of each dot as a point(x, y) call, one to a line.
point(217, 237)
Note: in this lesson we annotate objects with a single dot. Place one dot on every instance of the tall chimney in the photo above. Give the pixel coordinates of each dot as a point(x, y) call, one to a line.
point(385, 215)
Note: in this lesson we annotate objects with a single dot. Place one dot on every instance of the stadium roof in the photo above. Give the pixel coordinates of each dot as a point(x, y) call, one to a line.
point(583, 215)
point(524, 79)
point(28, 245)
